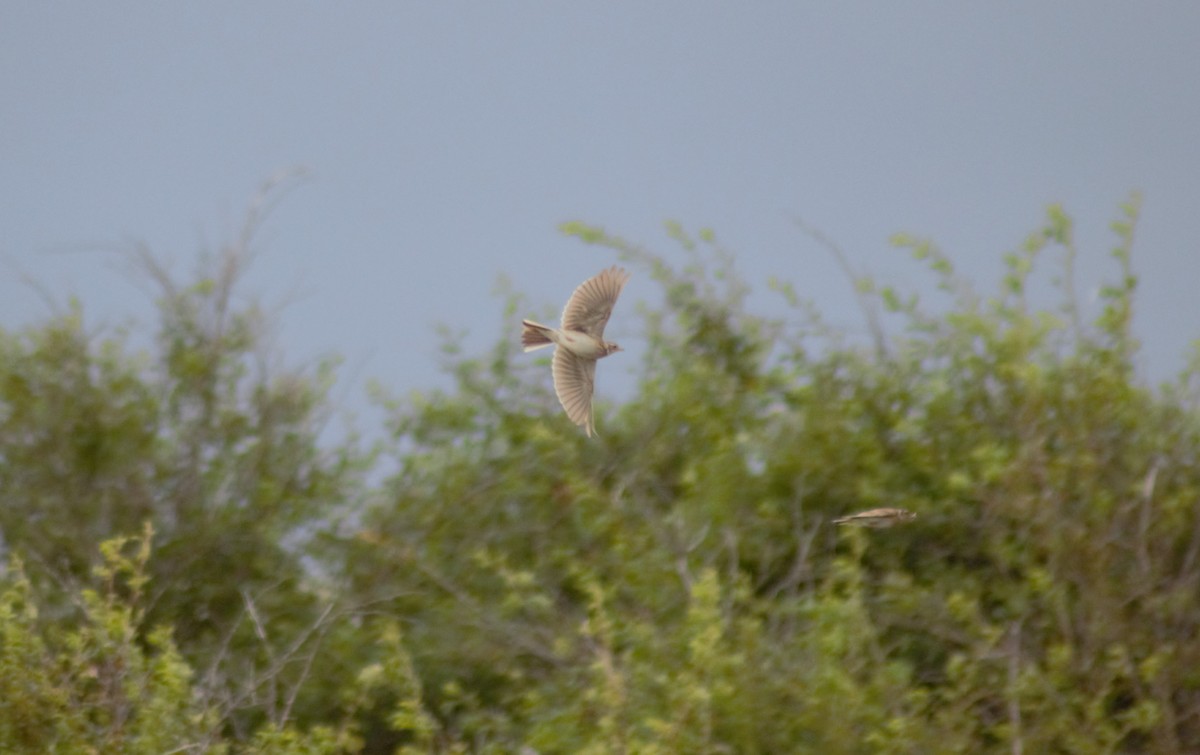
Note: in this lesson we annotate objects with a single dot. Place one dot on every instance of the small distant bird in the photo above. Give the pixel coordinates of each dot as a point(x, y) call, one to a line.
point(877, 518)
point(580, 343)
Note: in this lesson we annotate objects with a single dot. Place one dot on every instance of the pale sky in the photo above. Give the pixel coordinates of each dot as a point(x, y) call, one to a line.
point(445, 142)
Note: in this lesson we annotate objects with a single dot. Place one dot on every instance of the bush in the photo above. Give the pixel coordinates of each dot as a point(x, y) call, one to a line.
point(672, 586)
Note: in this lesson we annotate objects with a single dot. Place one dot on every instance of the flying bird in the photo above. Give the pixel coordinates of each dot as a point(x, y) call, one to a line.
point(877, 518)
point(580, 342)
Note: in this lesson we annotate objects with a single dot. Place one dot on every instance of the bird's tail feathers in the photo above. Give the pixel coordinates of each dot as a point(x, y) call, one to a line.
point(534, 336)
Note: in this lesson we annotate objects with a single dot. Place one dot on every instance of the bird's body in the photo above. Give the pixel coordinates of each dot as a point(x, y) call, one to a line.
point(535, 336)
point(877, 518)
point(579, 342)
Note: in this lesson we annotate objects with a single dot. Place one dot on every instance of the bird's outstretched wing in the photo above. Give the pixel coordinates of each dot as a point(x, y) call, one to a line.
point(574, 382)
point(878, 517)
point(589, 307)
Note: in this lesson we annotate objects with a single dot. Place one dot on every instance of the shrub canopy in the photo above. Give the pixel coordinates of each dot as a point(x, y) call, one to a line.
point(672, 586)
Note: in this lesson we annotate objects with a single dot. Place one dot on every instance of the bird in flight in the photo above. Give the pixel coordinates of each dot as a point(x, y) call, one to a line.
point(580, 342)
point(877, 518)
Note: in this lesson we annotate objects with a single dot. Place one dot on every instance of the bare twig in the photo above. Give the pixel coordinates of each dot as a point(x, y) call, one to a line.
point(1014, 673)
point(520, 637)
point(867, 304)
point(1144, 514)
point(304, 672)
point(1072, 305)
point(800, 562)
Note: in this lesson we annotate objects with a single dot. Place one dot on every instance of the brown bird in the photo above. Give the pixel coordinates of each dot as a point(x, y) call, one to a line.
point(580, 343)
point(877, 518)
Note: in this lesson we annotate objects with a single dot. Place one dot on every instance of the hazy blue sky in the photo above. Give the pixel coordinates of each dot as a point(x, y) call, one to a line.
point(446, 141)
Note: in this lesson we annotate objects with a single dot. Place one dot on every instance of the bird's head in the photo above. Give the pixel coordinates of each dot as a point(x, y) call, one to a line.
point(611, 348)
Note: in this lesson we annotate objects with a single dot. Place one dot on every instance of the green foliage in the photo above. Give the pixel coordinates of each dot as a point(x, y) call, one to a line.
point(77, 427)
point(97, 684)
point(672, 586)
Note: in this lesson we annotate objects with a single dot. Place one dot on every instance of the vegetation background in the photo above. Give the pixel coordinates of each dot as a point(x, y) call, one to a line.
point(193, 567)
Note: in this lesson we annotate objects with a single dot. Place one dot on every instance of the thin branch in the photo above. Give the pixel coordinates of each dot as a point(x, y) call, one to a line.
point(800, 562)
point(39, 288)
point(1144, 515)
point(867, 304)
point(304, 672)
point(1014, 673)
point(518, 636)
point(1072, 305)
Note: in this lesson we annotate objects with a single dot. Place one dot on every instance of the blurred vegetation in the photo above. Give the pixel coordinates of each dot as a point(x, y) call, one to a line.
point(191, 569)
